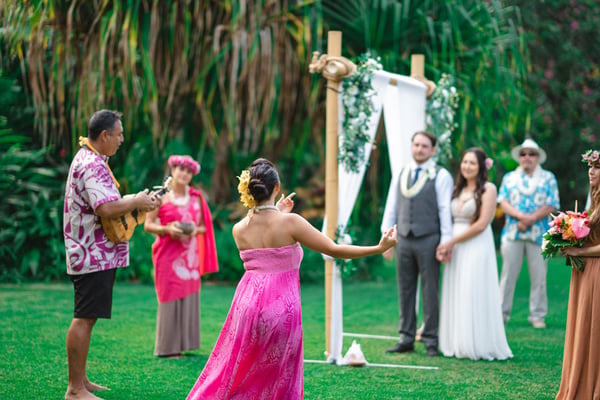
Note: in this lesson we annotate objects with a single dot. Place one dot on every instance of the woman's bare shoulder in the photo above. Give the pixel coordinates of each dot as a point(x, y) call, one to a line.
point(490, 186)
point(239, 226)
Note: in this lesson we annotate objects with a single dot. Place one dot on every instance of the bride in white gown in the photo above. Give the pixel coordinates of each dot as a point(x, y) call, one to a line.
point(471, 323)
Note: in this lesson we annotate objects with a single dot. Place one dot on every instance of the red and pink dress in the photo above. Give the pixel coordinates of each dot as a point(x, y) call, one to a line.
point(178, 266)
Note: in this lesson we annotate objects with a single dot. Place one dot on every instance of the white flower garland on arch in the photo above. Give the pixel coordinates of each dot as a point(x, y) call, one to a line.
point(357, 93)
point(441, 109)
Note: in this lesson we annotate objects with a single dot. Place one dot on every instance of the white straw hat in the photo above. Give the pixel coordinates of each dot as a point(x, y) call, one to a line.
point(531, 145)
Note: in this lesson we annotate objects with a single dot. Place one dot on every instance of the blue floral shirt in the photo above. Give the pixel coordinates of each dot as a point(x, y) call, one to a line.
point(527, 194)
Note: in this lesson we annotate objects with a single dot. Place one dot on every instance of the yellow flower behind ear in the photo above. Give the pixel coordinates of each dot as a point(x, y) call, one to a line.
point(245, 196)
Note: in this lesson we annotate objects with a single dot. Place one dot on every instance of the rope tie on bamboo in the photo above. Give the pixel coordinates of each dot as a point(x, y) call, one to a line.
point(83, 141)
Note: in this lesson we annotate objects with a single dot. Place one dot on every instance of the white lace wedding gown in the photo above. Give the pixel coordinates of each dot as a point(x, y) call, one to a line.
point(471, 323)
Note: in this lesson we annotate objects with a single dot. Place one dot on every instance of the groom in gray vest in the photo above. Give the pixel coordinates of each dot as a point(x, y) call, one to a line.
point(419, 203)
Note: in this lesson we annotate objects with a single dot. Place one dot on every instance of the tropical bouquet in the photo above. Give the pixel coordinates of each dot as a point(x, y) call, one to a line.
point(566, 229)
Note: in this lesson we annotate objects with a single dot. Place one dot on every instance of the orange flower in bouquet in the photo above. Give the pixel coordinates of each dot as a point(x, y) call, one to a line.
point(566, 230)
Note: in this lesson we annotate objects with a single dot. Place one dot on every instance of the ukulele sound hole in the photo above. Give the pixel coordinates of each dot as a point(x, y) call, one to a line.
point(124, 222)
point(135, 214)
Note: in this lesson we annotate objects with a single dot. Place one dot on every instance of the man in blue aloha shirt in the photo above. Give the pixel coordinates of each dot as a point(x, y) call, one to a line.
point(527, 196)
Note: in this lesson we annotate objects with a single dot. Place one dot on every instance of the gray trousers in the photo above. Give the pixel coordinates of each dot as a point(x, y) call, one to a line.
point(512, 260)
point(416, 256)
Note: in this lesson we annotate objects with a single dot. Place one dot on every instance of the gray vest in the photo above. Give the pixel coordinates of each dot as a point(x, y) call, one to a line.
point(419, 215)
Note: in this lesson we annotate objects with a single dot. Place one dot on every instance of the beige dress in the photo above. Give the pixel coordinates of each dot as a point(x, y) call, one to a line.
point(581, 362)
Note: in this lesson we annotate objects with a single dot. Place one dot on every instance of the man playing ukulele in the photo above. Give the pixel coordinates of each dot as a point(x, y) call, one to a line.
point(92, 192)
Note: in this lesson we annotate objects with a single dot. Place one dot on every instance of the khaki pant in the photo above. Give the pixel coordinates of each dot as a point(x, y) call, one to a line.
point(512, 260)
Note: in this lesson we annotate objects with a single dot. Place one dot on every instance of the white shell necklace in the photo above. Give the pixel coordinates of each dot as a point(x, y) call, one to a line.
point(257, 209)
point(180, 201)
point(266, 207)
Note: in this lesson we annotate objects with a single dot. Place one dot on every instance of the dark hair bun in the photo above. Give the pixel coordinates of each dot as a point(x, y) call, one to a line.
point(263, 178)
point(258, 190)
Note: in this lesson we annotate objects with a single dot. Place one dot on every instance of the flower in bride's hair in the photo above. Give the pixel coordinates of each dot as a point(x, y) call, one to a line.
point(489, 163)
point(245, 196)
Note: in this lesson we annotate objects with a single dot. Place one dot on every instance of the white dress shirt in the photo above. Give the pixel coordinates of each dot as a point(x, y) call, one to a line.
point(444, 186)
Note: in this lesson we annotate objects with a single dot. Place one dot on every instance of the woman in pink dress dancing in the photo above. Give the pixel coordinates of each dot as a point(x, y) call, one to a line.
point(258, 354)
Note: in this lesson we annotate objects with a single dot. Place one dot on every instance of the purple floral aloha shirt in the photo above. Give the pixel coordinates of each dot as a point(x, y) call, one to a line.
point(90, 185)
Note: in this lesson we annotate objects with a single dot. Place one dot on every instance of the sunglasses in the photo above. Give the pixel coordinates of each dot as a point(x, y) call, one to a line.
point(530, 154)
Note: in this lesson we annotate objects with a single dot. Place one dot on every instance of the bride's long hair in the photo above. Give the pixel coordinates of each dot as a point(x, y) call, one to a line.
point(480, 180)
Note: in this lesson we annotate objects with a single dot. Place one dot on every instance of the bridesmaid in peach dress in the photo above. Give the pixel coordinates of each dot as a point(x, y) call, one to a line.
point(258, 354)
point(581, 362)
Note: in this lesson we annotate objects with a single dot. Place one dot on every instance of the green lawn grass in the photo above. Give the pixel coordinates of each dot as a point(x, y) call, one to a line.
point(34, 319)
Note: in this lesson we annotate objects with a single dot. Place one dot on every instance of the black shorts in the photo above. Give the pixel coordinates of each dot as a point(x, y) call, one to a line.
point(93, 294)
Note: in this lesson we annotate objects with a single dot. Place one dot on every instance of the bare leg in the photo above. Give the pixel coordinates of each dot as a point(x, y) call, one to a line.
point(78, 344)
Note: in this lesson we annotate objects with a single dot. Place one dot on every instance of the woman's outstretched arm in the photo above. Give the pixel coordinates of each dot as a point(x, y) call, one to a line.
point(303, 232)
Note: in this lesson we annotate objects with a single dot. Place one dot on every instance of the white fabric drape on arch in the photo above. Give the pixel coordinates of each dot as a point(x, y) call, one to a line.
point(404, 106)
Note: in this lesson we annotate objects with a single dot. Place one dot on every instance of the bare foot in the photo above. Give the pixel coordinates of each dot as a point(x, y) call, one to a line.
point(94, 387)
point(82, 394)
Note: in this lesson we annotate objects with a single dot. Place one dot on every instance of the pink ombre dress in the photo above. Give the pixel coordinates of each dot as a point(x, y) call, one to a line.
point(259, 352)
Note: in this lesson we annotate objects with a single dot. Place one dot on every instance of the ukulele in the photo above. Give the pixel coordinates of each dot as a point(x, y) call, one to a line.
point(121, 229)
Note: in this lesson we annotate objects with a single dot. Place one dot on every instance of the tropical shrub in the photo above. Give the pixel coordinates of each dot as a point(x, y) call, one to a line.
point(228, 79)
point(563, 82)
point(31, 241)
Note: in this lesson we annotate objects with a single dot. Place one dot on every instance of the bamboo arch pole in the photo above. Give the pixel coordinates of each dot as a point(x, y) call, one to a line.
point(334, 68)
point(417, 71)
point(417, 65)
point(334, 48)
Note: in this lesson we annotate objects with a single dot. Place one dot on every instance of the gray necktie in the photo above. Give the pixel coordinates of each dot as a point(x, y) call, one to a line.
point(417, 172)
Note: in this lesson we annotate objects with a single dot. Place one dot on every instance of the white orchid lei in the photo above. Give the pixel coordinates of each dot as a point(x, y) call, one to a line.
point(441, 109)
point(357, 105)
point(415, 189)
